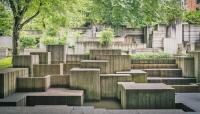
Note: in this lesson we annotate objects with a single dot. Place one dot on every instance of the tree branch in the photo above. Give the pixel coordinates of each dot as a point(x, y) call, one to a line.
point(30, 18)
point(13, 7)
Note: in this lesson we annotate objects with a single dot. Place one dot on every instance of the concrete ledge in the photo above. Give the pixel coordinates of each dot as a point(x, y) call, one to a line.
point(8, 80)
point(163, 72)
point(102, 64)
point(153, 66)
point(193, 88)
point(59, 81)
point(88, 80)
point(109, 84)
point(138, 76)
point(33, 84)
point(147, 96)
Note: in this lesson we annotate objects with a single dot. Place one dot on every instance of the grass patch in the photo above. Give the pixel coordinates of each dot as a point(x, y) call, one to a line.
point(159, 55)
point(6, 62)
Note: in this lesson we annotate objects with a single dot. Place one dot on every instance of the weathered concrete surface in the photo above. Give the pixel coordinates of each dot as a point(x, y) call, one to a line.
point(186, 64)
point(58, 53)
point(153, 66)
point(41, 70)
point(68, 66)
point(81, 110)
point(53, 96)
point(33, 84)
point(8, 80)
point(196, 55)
point(138, 76)
point(163, 72)
point(102, 64)
point(44, 57)
point(88, 80)
point(116, 63)
point(147, 96)
point(120, 88)
point(59, 81)
point(96, 52)
point(25, 61)
point(109, 84)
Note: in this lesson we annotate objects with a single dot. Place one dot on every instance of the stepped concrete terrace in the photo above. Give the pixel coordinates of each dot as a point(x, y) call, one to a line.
point(105, 79)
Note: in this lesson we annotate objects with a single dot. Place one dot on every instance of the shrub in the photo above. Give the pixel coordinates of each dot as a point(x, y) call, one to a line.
point(6, 62)
point(53, 41)
point(159, 55)
point(28, 42)
point(192, 17)
point(106, 37)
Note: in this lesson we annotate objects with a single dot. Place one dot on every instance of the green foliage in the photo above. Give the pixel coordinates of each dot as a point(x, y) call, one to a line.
point(53, 41)
point(28, 42)
point(5, 21)
point(160, 55)
point(106, 37)
point(192, 17)
point(6, 62)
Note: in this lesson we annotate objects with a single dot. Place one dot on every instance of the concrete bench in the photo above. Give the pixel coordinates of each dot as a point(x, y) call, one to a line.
point(138, 76)
point(147, 96)
point(109, 84)
point(8, 80)
point(102, 64)
point(88, 80)
point(33, 84)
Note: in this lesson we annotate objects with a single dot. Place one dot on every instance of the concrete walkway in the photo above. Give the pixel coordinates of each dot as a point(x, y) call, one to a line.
point(191, 100)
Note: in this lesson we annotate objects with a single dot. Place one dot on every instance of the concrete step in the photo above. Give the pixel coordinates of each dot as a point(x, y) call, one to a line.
point(171, 80)
point(192, 88)
point(154, 66)
point(163, 72)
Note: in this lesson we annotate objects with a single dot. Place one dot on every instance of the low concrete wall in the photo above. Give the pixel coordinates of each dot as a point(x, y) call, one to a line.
point(76, 58)
point(196, 55)
point(25, 61)
point(148, 96)
point(153, 66)
point(96, 52)
point(67, 67)
point(41, 70)
point(186, 64)
point(59, 81)
point(33, 84)
point(138, 76)
point(88, 80)
point(58, 53)
point(102, 64)
point(109, 84)
point(8, 80)
point(44, 57)
point(116, 62)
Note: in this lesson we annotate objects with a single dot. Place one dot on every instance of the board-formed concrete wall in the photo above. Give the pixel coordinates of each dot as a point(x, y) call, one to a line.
point(102, 64)
point(116, 62)
point(25, 61)
point(109, 84)
point(44, 57)
point(33, 84)
point(41, 70)
point(88, 80)
point(147, 96)
point(76, 58)
point(59, 81)
point(153, 61)
point(138, 76)
point(8, 80)
point(196, 56)
point(68, 66)
point(96, 52)
point(120, 88)
point(58, 53)
point(186, 64)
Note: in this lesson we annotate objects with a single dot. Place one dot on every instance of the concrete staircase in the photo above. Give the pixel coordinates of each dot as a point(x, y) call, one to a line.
point(169, 74)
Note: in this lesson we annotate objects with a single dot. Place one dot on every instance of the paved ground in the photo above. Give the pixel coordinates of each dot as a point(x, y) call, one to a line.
point(191, 100)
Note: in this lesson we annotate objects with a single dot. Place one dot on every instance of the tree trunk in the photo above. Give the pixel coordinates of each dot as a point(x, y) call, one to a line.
point(15, 34)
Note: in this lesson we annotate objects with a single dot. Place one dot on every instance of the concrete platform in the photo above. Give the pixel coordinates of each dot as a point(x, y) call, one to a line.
point(163, 72)
point(79, 110)
point(53, 96)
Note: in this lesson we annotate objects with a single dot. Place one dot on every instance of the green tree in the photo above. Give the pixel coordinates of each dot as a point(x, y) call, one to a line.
point(5, 21)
